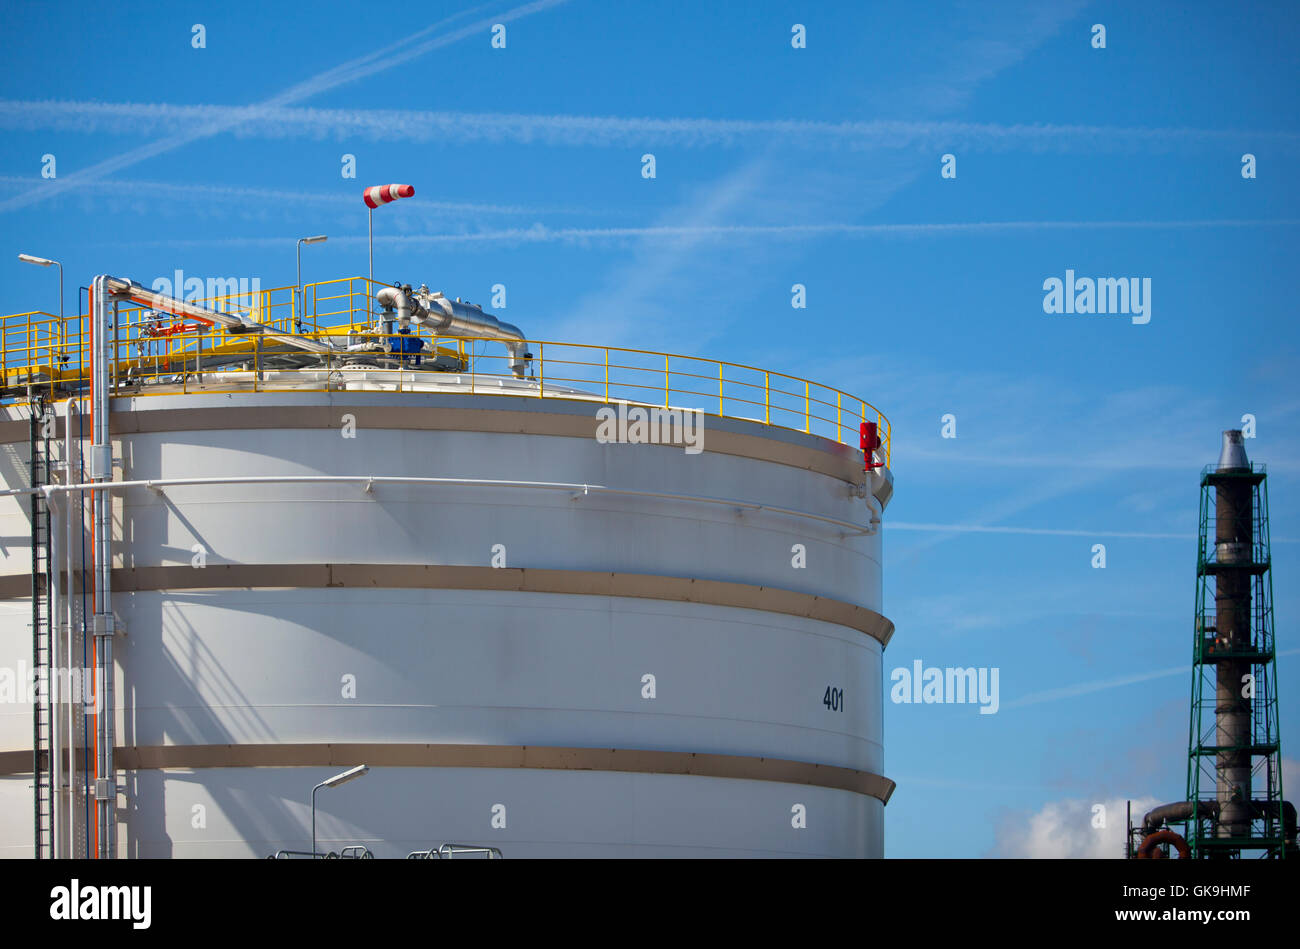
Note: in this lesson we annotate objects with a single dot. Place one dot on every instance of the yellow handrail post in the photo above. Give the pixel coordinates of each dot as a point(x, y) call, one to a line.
point(839, 416)
point(807, 409)
point(667, 400)
point(719, 390)
point(885, 437)
point(541, 369)
point(606, 373)
point(767, 398)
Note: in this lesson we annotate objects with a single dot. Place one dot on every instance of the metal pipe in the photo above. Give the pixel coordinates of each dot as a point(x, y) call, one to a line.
point(446, 317)
point(1148, 851)
point(68, 454)
point(51, 696)
point(107, 292)
point(127, 289)
point(850, 528)
point(1177, 811)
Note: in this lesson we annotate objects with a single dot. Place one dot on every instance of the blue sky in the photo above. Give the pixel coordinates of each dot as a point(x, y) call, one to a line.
point(778, 166)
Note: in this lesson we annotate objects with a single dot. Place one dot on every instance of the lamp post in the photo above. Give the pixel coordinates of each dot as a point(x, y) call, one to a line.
point(319, 238)
point(333, 782)
point(43, 262)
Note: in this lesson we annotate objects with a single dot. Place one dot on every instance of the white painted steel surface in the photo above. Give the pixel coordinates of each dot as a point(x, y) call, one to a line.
point(239, 666)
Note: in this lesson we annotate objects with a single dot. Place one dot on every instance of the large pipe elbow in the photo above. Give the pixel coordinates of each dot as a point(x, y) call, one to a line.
point(1178, 811)
point(395, 298)
point(454, 318)
point(1149, 849)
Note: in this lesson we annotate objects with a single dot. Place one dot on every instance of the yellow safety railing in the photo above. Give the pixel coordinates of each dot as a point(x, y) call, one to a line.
point(42, 353)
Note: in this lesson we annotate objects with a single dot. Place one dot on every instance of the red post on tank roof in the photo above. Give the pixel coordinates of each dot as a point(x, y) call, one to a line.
point(870, 441)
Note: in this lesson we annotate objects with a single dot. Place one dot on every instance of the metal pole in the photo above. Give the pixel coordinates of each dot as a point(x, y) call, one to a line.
point(299, 297)
point(52, 697)
point(370, 227)
point(68, 601)
point(313, 819)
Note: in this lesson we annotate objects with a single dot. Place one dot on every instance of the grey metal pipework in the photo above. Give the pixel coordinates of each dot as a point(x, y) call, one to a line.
point(454, 318)
point(1182, 810)
point(396, 299)
point(108, 291)
point(160, 301)
point(1178, 811)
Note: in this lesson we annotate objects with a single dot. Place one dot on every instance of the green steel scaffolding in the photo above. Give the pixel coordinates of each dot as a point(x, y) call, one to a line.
point(1210, 744)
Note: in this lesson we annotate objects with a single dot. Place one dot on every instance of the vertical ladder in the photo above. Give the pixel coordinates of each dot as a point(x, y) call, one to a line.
point(43, 764)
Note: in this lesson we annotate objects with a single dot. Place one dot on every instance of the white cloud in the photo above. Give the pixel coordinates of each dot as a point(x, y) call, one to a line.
point(1064, 830)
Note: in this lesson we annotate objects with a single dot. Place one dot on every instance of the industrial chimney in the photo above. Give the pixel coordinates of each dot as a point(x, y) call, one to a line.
point(1236, 745)
point(1232, 552)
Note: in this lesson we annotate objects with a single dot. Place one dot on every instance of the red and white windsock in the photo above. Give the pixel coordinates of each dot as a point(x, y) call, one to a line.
point(386, 194)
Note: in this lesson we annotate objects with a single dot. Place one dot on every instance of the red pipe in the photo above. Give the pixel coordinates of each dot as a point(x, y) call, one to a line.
point(1150, 847)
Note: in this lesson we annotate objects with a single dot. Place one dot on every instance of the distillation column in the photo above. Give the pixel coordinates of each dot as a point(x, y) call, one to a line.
point(1232, 547)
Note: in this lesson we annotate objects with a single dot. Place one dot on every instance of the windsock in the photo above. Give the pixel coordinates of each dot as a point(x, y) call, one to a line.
point(385, 194)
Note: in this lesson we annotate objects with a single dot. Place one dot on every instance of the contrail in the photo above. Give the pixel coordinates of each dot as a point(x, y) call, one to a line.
point(274, 119)
point(1100, 685)
point(539, 233)
point(371, 63)
point(250, 198)
point(1046, 531)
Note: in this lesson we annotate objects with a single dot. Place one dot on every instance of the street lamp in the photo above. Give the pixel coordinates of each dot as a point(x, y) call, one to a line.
point(319, 238)
point(43, 262)
point(333, 782)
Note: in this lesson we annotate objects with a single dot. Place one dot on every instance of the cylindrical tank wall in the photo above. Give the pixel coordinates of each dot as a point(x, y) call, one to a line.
point(205, 663)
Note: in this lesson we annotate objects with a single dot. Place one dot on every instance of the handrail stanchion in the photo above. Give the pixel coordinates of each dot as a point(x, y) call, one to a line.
point(606, 373)
point(719, 390)
point(767, 398)
point(807, 409)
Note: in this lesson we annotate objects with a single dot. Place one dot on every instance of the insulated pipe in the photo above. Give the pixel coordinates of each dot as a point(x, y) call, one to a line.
point(396, 299)
point(1178, 811)
point(1182, 810)
point(464, 319)
point(453, 318)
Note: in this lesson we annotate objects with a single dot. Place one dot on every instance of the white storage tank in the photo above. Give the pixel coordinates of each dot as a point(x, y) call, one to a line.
point(538, 639)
